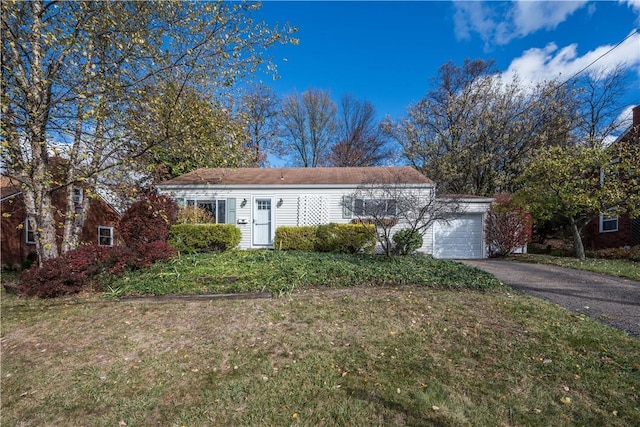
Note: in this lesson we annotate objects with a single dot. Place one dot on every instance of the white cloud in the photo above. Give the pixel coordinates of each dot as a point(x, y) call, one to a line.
point(626, 117)
point(551, 62)
point(633, 4)
point(497, 23)
point(472, 15)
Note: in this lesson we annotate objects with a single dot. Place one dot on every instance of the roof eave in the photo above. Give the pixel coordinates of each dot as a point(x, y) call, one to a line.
point(188, 186)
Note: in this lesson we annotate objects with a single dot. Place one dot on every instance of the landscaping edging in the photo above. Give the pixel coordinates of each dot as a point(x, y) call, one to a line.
point(204, 297)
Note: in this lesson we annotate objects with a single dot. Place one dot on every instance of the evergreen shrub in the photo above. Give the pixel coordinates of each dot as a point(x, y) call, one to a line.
point(346, 238)
point(337, 238)
point(291, 238)
point(204, 237)
point(407, 241)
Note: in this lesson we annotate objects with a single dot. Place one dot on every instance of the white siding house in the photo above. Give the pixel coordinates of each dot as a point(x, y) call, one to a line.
point(258, 200)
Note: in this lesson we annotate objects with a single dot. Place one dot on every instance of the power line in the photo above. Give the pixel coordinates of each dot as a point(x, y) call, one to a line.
point(633, 33)
point(555, 88)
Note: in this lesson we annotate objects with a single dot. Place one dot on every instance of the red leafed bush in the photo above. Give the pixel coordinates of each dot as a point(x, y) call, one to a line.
point(152, 252)
point(148, 220)
point(144, 228)
point(507, 226)
point(78, 270)
point(75, 270)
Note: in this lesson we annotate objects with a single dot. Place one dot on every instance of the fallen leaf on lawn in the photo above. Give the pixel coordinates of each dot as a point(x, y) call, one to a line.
point(566, 400)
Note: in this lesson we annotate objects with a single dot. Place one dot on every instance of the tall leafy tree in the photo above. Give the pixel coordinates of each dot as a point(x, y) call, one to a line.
point(194, 132)
point(308, 126)
point(475, 133)
point(72, 71)
point(360, 139)
point(579, 183)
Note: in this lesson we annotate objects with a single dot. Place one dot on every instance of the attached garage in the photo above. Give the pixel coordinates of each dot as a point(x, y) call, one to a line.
point(460, 238)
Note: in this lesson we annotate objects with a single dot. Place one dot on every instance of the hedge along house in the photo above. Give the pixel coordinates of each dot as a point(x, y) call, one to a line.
point(258, 200)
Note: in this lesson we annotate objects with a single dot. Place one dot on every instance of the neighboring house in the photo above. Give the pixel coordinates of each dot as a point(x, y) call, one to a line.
point(617, 231)
point(17, 234)
point(258, 200)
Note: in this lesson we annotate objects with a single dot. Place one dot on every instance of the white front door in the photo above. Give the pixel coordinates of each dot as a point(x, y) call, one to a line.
point(262, 222)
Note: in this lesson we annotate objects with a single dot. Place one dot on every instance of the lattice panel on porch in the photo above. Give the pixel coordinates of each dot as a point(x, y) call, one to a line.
point(312, 210)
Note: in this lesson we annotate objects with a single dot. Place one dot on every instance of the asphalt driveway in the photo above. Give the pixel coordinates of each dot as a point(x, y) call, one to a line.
point(612, 300)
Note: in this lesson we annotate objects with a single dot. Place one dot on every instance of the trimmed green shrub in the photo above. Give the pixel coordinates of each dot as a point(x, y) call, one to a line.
point(346, 238)
point(302, 238)
point(204, 237)
point(407, 241)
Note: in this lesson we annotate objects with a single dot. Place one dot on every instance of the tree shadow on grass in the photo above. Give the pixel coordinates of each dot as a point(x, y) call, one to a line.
point(411, 415)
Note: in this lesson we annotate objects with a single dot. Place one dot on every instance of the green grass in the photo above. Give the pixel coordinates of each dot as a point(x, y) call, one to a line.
point(281, 272)
point(405, 355)
point(612, 267)
point(352, 340)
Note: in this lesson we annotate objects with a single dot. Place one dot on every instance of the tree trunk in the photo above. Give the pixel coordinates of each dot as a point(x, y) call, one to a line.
point(37, 196)
point(577, 239)
point(75, 217)
point(39, 207)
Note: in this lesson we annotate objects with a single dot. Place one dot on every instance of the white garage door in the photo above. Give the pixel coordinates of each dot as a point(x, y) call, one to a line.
point(460, 238)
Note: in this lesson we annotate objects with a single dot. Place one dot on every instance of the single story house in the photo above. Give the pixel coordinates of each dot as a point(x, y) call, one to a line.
point(17, 235)
point(258, 200)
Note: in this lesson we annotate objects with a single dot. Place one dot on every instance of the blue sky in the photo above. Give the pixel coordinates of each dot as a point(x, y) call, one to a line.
point(388, 52)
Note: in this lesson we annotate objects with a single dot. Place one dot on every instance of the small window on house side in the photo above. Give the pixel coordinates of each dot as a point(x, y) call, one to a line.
point(30, 232)
point(608, 224)
point(105, 236)
point(77, 195)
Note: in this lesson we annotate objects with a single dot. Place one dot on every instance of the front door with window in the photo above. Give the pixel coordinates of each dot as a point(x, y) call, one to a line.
point(262, 222)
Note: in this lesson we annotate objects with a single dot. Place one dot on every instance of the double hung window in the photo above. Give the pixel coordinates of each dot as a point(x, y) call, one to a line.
point(217, 208)
point(30, 232)
point(608, 223)
point(105, 236)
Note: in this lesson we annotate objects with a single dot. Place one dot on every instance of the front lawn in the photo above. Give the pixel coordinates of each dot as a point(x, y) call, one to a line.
point(351, 341)
point(282, 272)
point(404, 355)
point(612, 267)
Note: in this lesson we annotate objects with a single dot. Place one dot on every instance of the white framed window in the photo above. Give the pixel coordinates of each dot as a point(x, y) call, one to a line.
point(375, 207)
point(30, 232)
point(105, 236)
point(217, 208)
point(77, 195)
point(608, 223)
